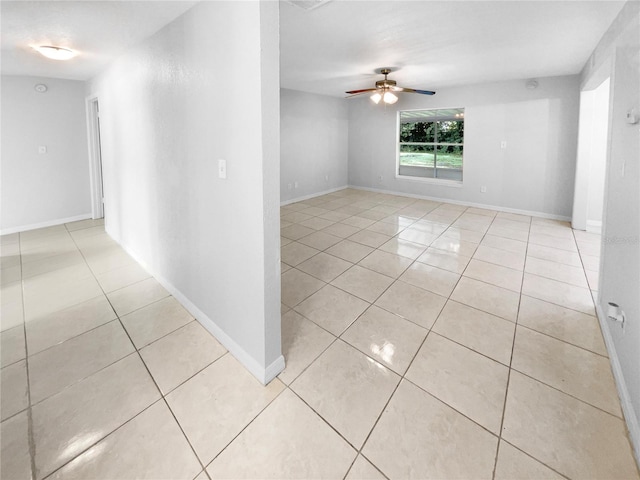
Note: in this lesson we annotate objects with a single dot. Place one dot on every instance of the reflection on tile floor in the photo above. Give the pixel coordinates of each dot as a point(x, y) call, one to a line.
point(422, 340)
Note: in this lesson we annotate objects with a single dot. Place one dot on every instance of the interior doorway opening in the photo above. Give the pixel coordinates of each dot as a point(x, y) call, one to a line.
point(95, 158)
point(591, 163)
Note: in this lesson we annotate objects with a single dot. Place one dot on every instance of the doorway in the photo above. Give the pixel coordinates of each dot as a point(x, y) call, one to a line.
point(592, 158)
point(95, 158)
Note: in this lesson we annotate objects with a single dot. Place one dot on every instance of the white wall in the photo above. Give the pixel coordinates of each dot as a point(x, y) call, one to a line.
point(314, 143)
point(43, 189)
point(619, 53)
point(206, 87)
point(535, 173)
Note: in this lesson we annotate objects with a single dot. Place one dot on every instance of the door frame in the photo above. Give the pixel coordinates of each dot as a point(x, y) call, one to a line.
point(592, 155)
point(95, 156)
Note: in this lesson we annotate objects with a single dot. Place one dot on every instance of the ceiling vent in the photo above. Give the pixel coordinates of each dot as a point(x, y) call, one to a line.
point(307, 4)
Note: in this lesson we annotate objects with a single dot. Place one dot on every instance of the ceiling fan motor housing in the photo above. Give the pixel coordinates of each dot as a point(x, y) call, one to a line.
point(385, 83)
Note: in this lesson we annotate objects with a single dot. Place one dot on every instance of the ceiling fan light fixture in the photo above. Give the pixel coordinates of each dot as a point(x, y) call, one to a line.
point(55, 53)
point(389, 98)
point(384, 90)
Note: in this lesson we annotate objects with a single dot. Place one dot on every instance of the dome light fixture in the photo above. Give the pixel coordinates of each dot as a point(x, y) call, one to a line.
point(531, 84)
point(55, 53)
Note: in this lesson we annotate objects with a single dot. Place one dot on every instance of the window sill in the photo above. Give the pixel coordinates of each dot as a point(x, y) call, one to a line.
point(432, 181)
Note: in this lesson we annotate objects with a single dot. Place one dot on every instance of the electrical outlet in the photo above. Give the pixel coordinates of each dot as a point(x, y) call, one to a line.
point(379, 178)
point(483, 189)
point(503, 144)
point(326, 178)
point(222, 168)
point(295, 184)
point(42, 149)
point(288, 186)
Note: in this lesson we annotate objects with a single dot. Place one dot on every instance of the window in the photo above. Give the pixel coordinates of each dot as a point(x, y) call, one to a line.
point(430, 143)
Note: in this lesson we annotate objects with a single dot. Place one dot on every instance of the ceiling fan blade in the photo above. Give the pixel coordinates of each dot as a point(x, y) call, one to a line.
point(412, 90)
point(425, 92)
point(355, 92)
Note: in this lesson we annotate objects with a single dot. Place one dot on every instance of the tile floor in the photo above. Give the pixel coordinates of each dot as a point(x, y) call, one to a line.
point(423, 340)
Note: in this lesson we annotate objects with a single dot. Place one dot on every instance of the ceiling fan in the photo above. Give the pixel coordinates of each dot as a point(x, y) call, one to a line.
point(385, 89)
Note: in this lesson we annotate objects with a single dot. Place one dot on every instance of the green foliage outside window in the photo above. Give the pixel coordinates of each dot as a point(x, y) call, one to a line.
point(436, 143)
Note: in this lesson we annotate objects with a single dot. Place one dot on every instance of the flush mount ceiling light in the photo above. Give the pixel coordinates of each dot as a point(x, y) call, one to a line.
point(307, 4)
point(531, 84)
point(55, 53)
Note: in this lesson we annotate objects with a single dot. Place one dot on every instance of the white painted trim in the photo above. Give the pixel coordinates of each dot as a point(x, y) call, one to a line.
point(263, 374)
point(467, 204)
point(95, 170)
point(594, 226)
point(434, 181)
point(443, 182)
point(625, 399)
point(273, 370)
point(48, 223)
point(313, 195)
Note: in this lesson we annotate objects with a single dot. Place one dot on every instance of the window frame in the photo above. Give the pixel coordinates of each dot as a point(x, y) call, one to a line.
point(432, 180)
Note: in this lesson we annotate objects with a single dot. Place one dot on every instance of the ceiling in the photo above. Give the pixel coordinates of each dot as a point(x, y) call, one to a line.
point(337, 46)
point(433, 44)
point(99, 30)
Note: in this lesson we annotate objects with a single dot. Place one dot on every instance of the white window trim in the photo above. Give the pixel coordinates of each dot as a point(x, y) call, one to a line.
point(434, 181)
point(443, 182)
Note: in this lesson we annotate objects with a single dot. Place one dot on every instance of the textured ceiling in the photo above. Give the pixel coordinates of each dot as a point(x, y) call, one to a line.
point(434, 44)
point(99, 30)
point(337, 46)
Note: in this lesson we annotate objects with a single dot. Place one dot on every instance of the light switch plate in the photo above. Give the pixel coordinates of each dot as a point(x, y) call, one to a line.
point(222, 168)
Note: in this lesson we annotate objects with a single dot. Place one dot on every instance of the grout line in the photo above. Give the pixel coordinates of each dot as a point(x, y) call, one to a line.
point(466, 347)
point(348, 442)
point(568, 394)
point(410, 363)
point(78, 380)
point(533, 458)
point(513, 343)
point(106, 435)
point(370, 462)
point(30, 432)
point(402, 377)
point(192, 319)
point(137, 351)
point(563, 341)
point(247, 425)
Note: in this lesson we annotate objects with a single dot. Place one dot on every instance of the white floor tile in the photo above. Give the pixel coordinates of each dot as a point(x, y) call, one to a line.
point(296, 444)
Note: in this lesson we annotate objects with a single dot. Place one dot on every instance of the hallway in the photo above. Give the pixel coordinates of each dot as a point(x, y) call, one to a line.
point(422, 340)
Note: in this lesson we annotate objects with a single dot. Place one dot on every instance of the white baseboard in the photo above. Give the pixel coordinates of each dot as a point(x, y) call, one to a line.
point(263, 374)
point(466, 204)
point(594, 227)
point(625, 399)
point(48, 223)
point(313, 195)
